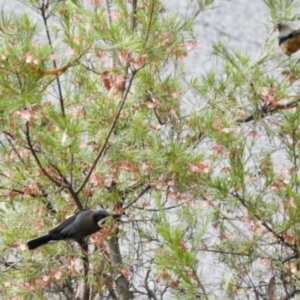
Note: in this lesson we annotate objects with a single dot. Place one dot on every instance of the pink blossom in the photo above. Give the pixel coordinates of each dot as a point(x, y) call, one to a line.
point(95, 179)
point(95, 3)
point(36, 61)
point(291, 203)
point(71, 51)
point(25, 114)
point(29, 57)
point(114, 15)
point(45, 278)
point(202, 167)
point(264, 261)
point(293, 267)
point(158, 126)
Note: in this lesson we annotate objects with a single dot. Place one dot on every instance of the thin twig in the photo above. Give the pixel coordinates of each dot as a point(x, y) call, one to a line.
point(147, 188)
point(150, 22)
point(55, 181)
point(69, 187)
point(133, 18)
point(43, 8)
point(110, 131)
point(267, 111)
point(290, 295)
point(8, 137)
point(150, 293)
point(265, 224)
point(108, 13)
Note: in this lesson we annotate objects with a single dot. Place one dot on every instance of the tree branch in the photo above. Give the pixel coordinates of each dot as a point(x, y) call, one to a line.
point(290, 295)
point(85, 260)
point(51, 178)
point(151, 294)
point(110, 131)
point(267, 110)
point(147, 188)
point(43, 9)
point(122, 283)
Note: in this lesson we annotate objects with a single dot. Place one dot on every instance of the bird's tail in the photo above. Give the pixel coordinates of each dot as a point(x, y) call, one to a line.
point(44, 239)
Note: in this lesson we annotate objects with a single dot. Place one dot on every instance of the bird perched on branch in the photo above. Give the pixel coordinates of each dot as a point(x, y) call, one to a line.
point(289, 39)
point(76, 227)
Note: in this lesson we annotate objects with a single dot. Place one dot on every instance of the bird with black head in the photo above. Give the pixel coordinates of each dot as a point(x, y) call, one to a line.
point(76, 227)
point(289, 39)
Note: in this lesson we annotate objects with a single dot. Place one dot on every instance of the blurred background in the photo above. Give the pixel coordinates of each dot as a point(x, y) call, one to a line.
point(242, 25)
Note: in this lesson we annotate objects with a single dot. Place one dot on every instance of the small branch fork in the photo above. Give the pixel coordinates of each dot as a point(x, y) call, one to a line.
point(268, 110)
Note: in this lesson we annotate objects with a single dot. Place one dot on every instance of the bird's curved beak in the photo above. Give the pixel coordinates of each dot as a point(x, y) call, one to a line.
point(114, 216)
point(101, 222)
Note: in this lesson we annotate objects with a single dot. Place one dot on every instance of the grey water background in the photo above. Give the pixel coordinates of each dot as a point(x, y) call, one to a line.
point(243, 25)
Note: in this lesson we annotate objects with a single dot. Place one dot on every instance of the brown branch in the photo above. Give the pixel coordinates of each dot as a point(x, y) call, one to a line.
point(150, 293)
point(149, 23)
point(290, 295)
point(108, 13)
point(57, 71)
point(272, 288)
point(85, 260)
point(51, 178)
point(109, 283)
point(8, 137)
point(63, 180)
point(43, 9)
point(133, 26)
point(201, 286)
point(69, 187)
point(157, 210)
point(121, 194)
point(223, 252)
point(46, 202)
point(133, 17)
point(264, 223)
point(158, 118)
point(267, 110)
point(110, 131)
point(147, 188)
point(122, 283)
point(291, 257)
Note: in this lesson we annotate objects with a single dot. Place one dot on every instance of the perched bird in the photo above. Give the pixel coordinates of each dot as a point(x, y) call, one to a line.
point(289, 39)
point(76, 227)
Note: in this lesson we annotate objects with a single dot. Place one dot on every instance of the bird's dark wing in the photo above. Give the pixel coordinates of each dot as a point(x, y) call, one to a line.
point(286, 35)
point(85, 224)
point(82, 226)
point(70, 228)
point(58, 228)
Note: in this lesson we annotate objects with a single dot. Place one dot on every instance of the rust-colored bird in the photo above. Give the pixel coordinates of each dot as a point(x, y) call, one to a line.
point(289, 39)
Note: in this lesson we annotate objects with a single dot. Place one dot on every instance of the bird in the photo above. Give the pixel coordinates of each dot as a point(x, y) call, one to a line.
point(289, 39)
point(78, 226)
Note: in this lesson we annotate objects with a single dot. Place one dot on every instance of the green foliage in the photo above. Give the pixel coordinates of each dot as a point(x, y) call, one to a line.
point(95, 111)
